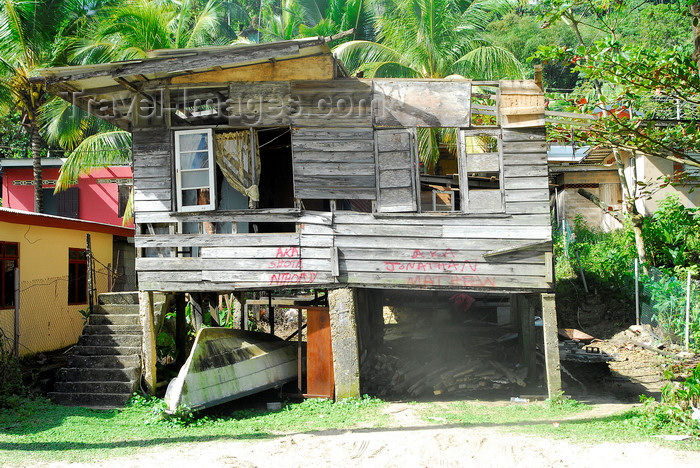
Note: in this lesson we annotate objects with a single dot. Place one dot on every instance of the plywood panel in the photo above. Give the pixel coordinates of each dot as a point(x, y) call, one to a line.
point(422, 103)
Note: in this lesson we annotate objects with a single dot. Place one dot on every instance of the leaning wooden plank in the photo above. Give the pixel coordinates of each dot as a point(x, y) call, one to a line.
point(226, 364)
point(511, 249)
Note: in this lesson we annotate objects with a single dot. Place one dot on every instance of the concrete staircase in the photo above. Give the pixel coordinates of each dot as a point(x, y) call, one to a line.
point(105, 367)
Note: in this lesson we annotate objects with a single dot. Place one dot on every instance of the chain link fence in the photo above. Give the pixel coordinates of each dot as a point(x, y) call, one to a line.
point(47, 321)
point(664, 300)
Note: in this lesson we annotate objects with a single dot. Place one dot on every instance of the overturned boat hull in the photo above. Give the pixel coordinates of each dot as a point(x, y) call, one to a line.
point(227, 364)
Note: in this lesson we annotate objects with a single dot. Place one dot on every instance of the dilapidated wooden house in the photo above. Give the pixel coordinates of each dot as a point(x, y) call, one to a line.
point(266, 166)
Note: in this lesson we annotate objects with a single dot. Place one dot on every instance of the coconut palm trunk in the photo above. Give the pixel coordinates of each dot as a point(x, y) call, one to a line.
point(36, 165)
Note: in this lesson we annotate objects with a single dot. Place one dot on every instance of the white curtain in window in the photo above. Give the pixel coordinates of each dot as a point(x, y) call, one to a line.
point(233, 155)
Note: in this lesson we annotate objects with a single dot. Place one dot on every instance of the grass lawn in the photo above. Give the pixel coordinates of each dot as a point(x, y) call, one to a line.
point(38, 430)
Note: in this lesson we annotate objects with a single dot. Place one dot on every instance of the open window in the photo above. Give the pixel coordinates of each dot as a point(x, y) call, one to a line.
point(481, 181)
point(194, 170)
point(439, 170)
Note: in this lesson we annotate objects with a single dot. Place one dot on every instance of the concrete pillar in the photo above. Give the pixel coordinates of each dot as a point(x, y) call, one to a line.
point(148, 341)
point(346, 368)
point(551, 345)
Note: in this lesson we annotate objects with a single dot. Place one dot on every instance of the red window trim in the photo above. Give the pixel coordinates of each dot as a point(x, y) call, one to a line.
point(4, 257)
point(72, 295)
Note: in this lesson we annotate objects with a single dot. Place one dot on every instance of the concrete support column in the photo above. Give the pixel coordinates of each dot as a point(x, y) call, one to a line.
point(148, 341)
point(346, 368)
point(551, 344)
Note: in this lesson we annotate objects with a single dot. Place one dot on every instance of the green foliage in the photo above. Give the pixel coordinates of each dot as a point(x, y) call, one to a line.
point(672, 237)
point(667, 296)
point(522, 35)
point(674, 412)
point(14, 141)
point(605, 256)
point(10, 375)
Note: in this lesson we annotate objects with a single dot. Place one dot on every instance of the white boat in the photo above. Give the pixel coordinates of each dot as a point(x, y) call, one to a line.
point(227, 364)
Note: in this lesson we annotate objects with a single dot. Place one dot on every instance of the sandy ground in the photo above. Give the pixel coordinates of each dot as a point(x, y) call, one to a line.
point(411, 443)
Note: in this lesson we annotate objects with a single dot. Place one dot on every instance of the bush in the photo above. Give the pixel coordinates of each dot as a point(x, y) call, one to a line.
point(672, 237)
point(674, 412)
point(10, 375)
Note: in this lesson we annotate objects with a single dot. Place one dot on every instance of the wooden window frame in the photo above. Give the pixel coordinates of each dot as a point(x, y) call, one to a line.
point(5, 287)
point(212, 173)
point(73, 265)
point(464, 175)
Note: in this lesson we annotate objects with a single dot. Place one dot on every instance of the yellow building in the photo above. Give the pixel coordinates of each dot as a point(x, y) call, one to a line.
point(49, 252)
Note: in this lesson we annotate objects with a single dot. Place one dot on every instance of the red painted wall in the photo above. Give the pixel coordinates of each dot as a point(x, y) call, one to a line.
point(98, 199)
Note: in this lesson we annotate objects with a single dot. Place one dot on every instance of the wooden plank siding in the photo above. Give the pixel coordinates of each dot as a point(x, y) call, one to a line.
point(334, 163)
point(153, 171)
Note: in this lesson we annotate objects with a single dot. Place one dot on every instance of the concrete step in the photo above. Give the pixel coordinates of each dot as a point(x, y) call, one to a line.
point(123, 309)
point(105, 350)
point(114, 319)
point(96, 387)
point(104, 361)
point(110, 341)
point(125, 297)
point(112, 330)
point(91, 400)
point(83, 374)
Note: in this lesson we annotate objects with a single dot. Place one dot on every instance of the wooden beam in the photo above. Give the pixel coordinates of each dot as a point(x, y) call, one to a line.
point(600, 204)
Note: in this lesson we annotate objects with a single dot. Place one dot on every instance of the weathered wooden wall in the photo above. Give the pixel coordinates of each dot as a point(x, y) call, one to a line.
point(340, 152)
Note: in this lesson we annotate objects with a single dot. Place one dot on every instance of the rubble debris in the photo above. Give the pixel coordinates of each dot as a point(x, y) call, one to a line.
point(576, 335)
point(429, 360)
point(571, 350)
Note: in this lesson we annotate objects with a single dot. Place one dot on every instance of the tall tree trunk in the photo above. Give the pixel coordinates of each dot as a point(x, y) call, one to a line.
point(695, 19)
point(636, 218)
point(36, 164)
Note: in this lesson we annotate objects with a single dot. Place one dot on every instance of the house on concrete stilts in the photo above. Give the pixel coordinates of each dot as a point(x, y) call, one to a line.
point(266, 167)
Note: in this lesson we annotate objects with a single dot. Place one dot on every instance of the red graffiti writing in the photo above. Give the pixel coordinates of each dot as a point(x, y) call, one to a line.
point(452, 280)
point(293, 264)
point(451, 266)
point(282, 279)
point(449, 253)
point(288, 252)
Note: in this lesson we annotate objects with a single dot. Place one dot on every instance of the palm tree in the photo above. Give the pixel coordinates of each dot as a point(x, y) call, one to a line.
point(432, 39)
point(30, 38)
point(124, 31)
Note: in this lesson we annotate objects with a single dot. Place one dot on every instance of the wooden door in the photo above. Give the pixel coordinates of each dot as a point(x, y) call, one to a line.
point(319, 354)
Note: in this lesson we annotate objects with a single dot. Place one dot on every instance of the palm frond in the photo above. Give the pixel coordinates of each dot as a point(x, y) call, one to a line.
point(489, 62)
point(96, 151)
point(356, 53)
